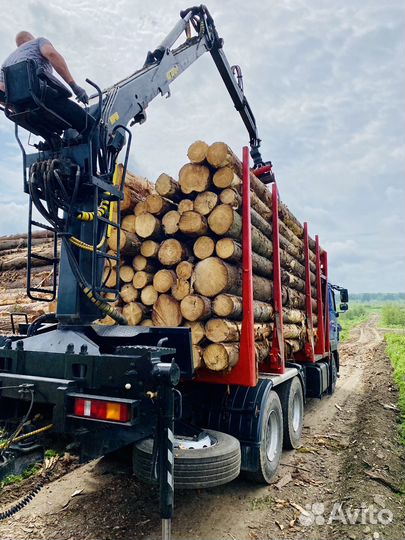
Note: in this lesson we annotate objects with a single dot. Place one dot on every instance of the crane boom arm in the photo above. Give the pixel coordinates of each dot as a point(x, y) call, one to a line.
point(128, 99)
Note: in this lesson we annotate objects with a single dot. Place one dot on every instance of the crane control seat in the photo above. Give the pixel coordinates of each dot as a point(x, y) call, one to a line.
point(39, 102)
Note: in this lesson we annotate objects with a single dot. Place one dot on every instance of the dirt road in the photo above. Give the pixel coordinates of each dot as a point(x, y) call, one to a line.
point(342, 482)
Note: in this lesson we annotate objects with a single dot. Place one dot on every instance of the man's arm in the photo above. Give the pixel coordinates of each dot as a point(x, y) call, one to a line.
point(59, 64)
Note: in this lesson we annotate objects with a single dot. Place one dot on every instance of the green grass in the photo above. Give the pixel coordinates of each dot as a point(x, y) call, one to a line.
point(16, 479)
point(393, 316)
point(353, 317)
point(396, 352)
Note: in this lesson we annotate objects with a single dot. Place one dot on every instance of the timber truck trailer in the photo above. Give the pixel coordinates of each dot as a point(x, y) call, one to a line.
point(110, 387)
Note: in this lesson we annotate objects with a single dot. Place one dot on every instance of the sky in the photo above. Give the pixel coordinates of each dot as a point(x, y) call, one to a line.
point(325, 80)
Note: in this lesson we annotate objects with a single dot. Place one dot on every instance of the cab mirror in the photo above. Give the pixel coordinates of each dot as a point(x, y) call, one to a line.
point(343, 307)
point(344, 296)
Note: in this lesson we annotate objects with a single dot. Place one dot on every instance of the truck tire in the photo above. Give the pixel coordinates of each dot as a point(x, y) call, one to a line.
point(194, 468)
point(271, 444)
point(292, 402)
point(333, 375)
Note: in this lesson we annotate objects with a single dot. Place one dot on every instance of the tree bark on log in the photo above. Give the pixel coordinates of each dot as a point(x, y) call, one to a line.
point(292, 346)
point(220, 155)
point(223, 330)
point(293, 316)
point(167, 187)
point(192, 223)
point(129, 243)
point(197, 152)
point(205, 202)
point(194, 178)
point(229, 250)
point(262, 351)
point(136, 188)
point(231, 307)
point(166, 311)
point(19, 260)
point(204, 247)
point(293, 331)
point(195, 307)
point(231, 196)
point(213, 276)
point(171, 252)
point(170, 222)
point(197, 356)
point(164, 280)
point(224, 220)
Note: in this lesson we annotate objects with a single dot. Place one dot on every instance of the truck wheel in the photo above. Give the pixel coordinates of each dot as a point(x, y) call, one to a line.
point(292, 402)
point(194, 468)
point(271, 444)
point(333, 375)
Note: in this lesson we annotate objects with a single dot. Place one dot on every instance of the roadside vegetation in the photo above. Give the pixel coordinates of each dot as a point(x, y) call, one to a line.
point(393, 316)
point(396, 353)
point(355, 315)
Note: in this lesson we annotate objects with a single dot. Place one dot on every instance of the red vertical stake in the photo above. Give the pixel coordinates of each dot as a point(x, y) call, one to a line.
point(309, 342)
point(324, 262)
point(320, 338)
point(277, 364)
point(247, 340)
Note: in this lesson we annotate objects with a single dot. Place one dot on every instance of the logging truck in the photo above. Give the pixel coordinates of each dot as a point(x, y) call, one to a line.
point(194, 316)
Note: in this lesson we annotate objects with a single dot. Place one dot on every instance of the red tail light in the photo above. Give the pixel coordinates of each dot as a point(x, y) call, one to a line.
point(102, 410)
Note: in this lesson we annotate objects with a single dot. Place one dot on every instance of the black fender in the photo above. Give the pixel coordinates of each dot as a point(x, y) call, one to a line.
point(238, 413)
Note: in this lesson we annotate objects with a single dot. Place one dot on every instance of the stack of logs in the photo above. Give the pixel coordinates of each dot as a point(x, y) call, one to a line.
point(13, 261)
point(181, 252)
point(13, 276)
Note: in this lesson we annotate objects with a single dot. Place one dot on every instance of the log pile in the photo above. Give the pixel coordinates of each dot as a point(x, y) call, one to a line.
point(13, 276)
point(182, 254)
point(13, 259)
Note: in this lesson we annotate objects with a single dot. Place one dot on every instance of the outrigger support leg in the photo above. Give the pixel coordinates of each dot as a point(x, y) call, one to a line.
point(168, 378)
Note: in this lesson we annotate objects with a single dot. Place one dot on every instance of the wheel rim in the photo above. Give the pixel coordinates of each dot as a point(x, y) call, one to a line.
point(296, 413)
point(189, 443)
point(273, 436)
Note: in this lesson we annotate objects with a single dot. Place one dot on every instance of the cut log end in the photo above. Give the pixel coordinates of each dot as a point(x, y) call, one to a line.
point(194, 178)
point(204, 247)
point(197, 152)
point(164, 280)
point(195, 307)
point(221, 356)
point(166, 311)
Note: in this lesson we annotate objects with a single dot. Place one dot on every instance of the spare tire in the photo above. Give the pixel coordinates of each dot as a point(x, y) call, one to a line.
point(194, 468)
